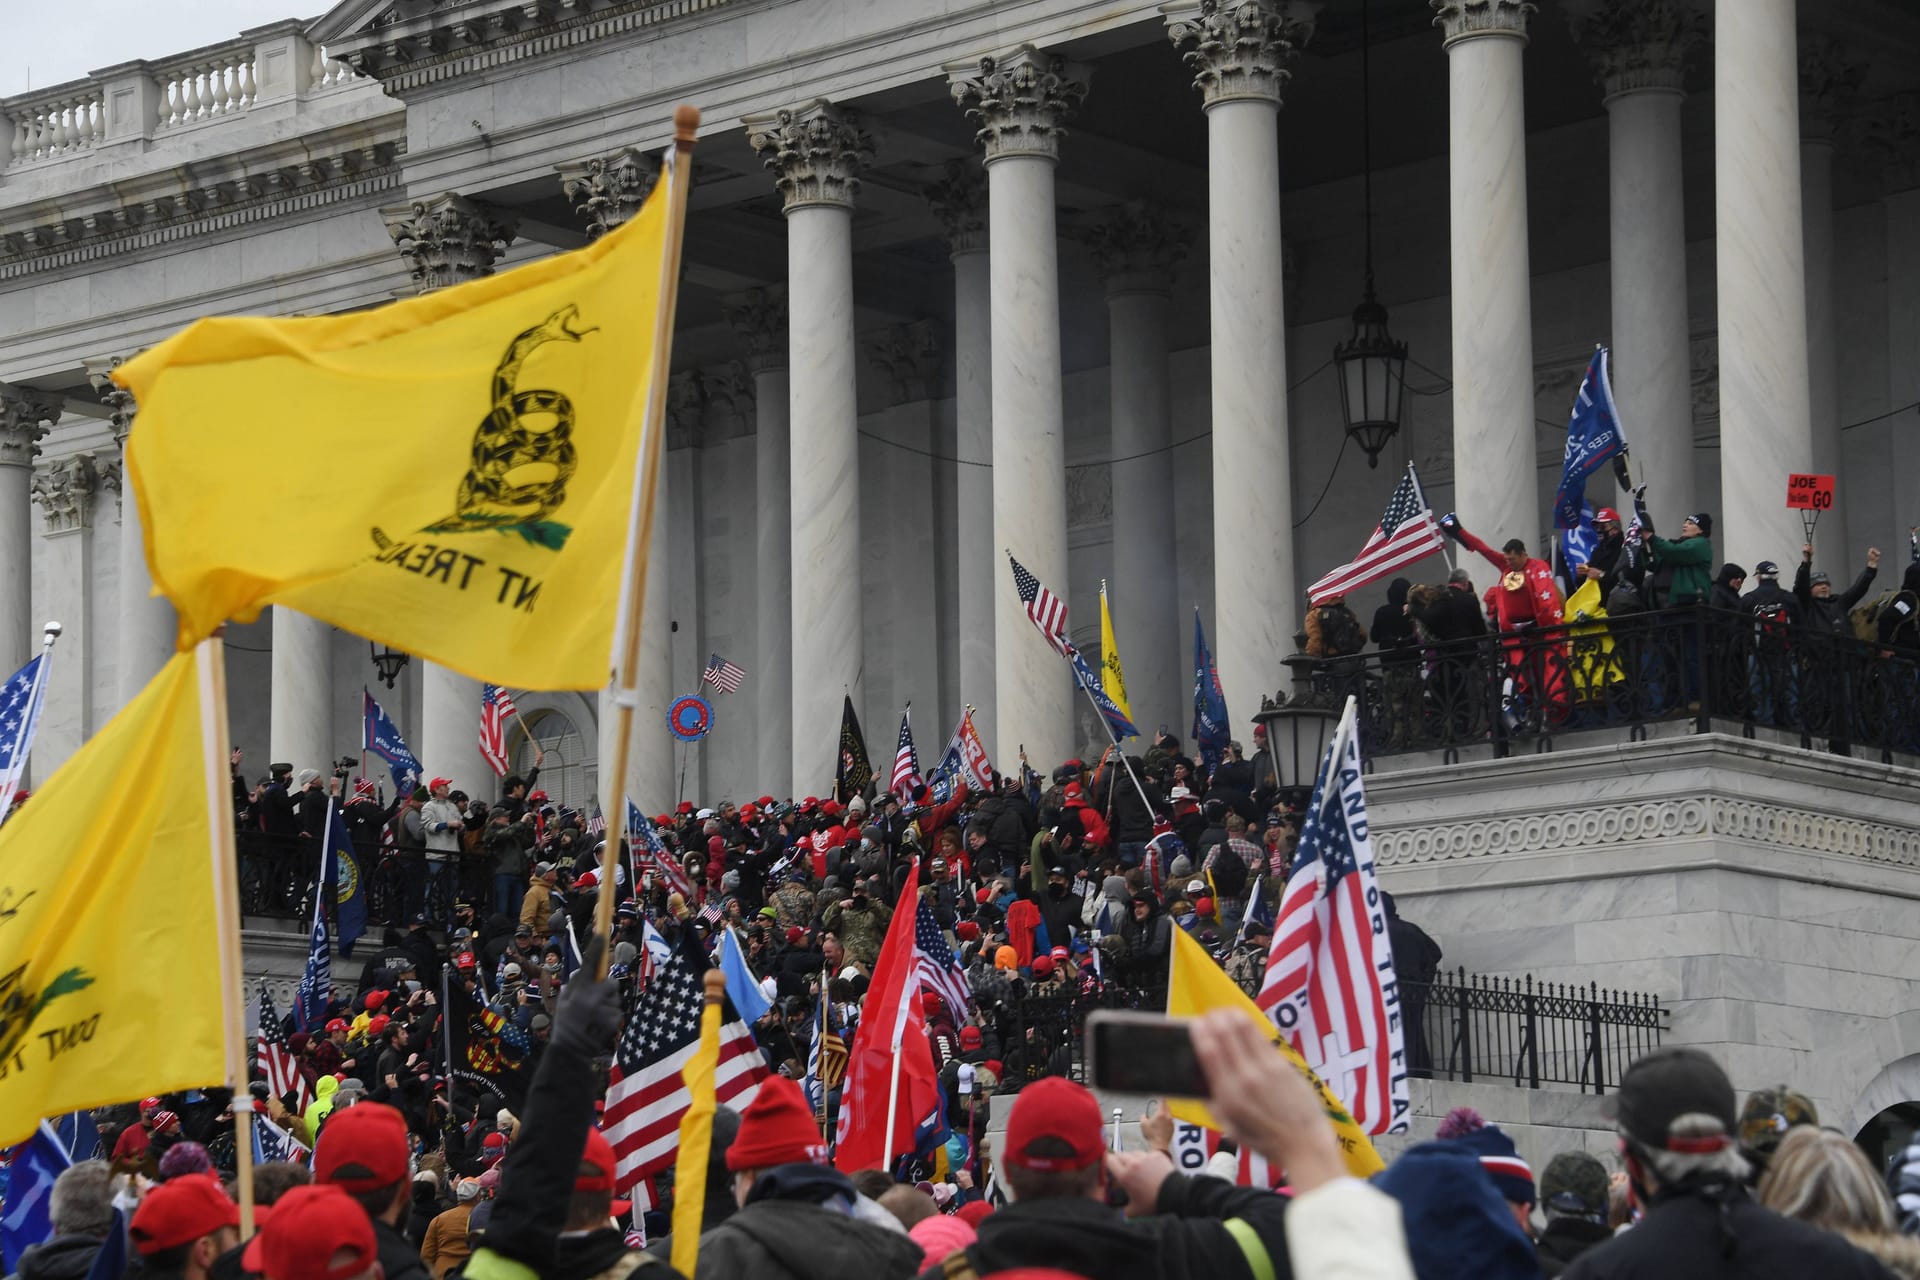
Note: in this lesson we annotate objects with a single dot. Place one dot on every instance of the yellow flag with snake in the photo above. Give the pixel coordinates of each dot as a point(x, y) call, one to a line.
point(1111, 680)
point(451, 475)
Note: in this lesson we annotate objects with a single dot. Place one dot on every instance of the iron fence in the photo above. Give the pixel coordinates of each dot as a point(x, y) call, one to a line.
point(1463, 1026)
point(278, 875)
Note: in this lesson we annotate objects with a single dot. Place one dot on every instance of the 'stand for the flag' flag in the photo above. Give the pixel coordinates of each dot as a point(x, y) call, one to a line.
point(507, 414)
point(854, 770)
point(1593, 436)
point(906, 760)
point(892, 1027)
point(96, 939)
point(496, 708)
point(28, 1219)
point(379, 736)
point(21, 698)
point(1329, 984)
point(1047, 611)
point(1118, 723)
point(645, 1094)
point(275, 1056)
point(1112, 682)
point(1210, 735)
point(1407, 533)
point(723, 675)
point(348, 878)
point(1196, 984)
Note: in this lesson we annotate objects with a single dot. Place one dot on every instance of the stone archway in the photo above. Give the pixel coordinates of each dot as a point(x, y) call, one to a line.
point(1886, 1115)
point(564, 726)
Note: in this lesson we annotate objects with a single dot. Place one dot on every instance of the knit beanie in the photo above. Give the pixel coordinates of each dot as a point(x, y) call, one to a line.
point(1457, 1227)
point(776, 1128)
point(1497, 1154)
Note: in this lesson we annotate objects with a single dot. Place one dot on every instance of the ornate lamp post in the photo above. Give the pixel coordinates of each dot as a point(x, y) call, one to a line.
point(388, 662)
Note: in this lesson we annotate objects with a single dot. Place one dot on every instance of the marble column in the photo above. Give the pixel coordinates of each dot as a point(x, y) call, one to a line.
point(1020, 101)
point(446, 239)
point(1827, 85)
point(1639, 51)
point(1136, 249)
point(816, 153)
point(65, 490)
point(300, 708)
point(145, 627)
point(960, 201)
point(1765, 429)
point(1496, 485)
point(1893, 137)
point(605, 191)
point(26, 415)
point(759, 320)
point(1238, 53)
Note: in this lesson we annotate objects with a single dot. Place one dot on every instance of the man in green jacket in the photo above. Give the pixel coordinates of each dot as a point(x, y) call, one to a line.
point(1686, 560)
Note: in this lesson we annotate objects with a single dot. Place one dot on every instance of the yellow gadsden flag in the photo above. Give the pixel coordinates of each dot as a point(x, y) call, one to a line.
point(450, 475)
point(1111, 680)
point(1197, 985)
point(109, 959)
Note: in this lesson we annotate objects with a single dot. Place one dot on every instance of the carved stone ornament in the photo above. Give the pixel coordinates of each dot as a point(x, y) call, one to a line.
point(729, 390)
point(607, 190)
point(815, 153)
point(758, 318)
point(110, 479)
point(686, 408)
point(959, 200)
point(1829, 84)
point(65, 490)
point(909, 356)
point(1891, 129)
point(1239, 49)
point(1703, 357)
point(1136, 247)
point(448, 239)
point(26, 415)
point(1637, 44)
point(1465, 19)
point(119, 400)
point(1021, 102)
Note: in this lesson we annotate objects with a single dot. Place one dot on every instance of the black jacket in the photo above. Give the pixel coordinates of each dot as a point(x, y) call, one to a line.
point(1829, 616)
point(61, 1258)
point(1564, 1240)
point(399, 1257)
point(1392, 631)
point(1693, 1234)
point(1455, 616)
point(785, 1232)
point(1187, 1239)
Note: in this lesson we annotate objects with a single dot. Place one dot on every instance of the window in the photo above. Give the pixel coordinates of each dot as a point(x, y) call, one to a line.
point(565, 776)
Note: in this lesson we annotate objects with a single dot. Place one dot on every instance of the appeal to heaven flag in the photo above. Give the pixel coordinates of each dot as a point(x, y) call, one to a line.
point(109, 960)
point(1111, 680)
point(505, 417)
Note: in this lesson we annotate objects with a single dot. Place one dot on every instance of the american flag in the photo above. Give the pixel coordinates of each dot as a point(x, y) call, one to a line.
point(496, 708)
point(646, 1096)
point(939, 971)
point(649, 853)
point(906, 761)
point(21, 699)
point(276, 1059)
point(1407, 533)
point(1048, 611)
point(1324, 984)
point(723, 675)
point(711, 913)
point(271, 1143)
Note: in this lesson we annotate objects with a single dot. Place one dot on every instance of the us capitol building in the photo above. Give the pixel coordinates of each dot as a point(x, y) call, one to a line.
point(1063, 278)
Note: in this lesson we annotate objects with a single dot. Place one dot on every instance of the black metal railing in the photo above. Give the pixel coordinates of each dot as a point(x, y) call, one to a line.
point(278, 874)
point(1463, 1026)
point(1518, 691)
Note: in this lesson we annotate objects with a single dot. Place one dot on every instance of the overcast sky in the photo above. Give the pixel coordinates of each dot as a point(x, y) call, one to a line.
point(47, 43)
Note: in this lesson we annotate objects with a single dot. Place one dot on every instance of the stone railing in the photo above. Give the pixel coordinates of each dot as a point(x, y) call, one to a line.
point(151, 101)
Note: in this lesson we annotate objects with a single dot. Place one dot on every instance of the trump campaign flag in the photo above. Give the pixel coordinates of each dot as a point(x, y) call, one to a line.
point(379, 736)
point(1210, 736)
point(1329, 984)
point(1593, 436)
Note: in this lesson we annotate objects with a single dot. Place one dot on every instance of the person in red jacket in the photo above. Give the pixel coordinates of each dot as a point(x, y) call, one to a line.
point(1525, 599)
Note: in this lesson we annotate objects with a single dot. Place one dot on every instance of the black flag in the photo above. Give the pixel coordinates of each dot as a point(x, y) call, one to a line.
point(855, 771)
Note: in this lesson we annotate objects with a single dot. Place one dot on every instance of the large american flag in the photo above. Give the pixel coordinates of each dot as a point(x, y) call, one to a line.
point(646, 1096)
point(650, 853)
point(275, 1057)
point(1328, 983)
point(21, 698)
point(1407, 533)
point(496, 708)
point(1047, 611)
point(723, 675)
point(906, 760)
point(939, 971)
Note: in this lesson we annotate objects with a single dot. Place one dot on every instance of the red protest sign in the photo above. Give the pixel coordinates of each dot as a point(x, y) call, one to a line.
point(1809, 493)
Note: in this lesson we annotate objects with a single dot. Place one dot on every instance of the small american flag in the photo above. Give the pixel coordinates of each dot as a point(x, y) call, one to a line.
point(723, 675)
point(597, 826)
point(906, 760)
point(939, 971)
point(1407, 533)
point(645, 1095)
point(21, 698)
point(711, 912)
point(1048, 611)
point(496, 708)
point(275, 1057)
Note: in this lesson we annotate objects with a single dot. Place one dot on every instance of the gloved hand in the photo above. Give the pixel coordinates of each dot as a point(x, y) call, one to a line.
point(1450, 525)
point(587, 1017)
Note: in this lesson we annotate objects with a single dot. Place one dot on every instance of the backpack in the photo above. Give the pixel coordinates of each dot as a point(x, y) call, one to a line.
point(1341, 633)
point(1865, 618)
point(1229, 873)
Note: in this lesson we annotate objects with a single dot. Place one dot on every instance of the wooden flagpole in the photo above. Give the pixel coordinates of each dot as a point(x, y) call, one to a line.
point(626, 651)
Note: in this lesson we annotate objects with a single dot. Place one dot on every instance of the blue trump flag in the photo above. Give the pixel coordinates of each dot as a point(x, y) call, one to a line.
point(1117, 723)
point(1209, 702)
point(28, 1219)
point(343, 871)
point(380, 737)
point(316, 980)
point(1593, 436)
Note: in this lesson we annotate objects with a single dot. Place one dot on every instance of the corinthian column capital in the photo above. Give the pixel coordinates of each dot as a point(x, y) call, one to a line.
point(65, 490)
point(758, 318)
point(815, 153)
point(1829, 84)
point(1021, 101)
point(1465, 19)
point(1136, 247)
point(607, 190)
point(119, 400)
point(1239, 49)
point(959, 200)
point(448, 239)
point(26, 415)
point(1637, 44)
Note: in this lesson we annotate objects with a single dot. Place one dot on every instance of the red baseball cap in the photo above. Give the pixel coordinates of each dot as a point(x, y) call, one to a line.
point(973, 1211)
point(765, 802)
point(685, 806)
point(362, 1148)
point(376, 997)
point(338, 1024)
point(1605, 515)
point(596, 1164)
point(180, 1211)
point(437, 783)
point(1062, 1120)
point(307, 1234)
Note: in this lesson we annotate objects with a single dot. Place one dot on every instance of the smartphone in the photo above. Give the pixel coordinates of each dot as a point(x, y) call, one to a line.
point(1147, 1053)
